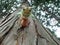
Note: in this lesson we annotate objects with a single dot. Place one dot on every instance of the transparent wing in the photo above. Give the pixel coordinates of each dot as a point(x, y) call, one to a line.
point(7, 23)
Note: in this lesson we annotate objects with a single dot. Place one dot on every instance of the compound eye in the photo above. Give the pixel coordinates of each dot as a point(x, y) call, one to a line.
point(29, 10)
point(23, 9)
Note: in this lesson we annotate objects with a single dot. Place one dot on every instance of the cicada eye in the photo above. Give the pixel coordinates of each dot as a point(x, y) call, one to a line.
point(29, 10)
point(23, 9)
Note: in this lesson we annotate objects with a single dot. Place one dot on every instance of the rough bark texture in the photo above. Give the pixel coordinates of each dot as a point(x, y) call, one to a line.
point(34, 34)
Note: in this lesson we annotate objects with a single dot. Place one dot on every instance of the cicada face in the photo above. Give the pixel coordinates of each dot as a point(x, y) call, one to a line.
point(26, 12)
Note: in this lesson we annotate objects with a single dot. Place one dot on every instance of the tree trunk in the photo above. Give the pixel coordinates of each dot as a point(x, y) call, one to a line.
point(34, 34)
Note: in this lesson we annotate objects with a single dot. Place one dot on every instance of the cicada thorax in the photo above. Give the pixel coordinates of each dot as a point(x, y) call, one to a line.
point(24, 21)
point(24, 16)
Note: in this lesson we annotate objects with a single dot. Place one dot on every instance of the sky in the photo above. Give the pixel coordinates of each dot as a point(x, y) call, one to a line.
point(53, 22)
point(58, 32)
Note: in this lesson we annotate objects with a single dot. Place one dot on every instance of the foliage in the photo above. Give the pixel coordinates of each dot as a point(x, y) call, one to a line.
point(8, 6)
